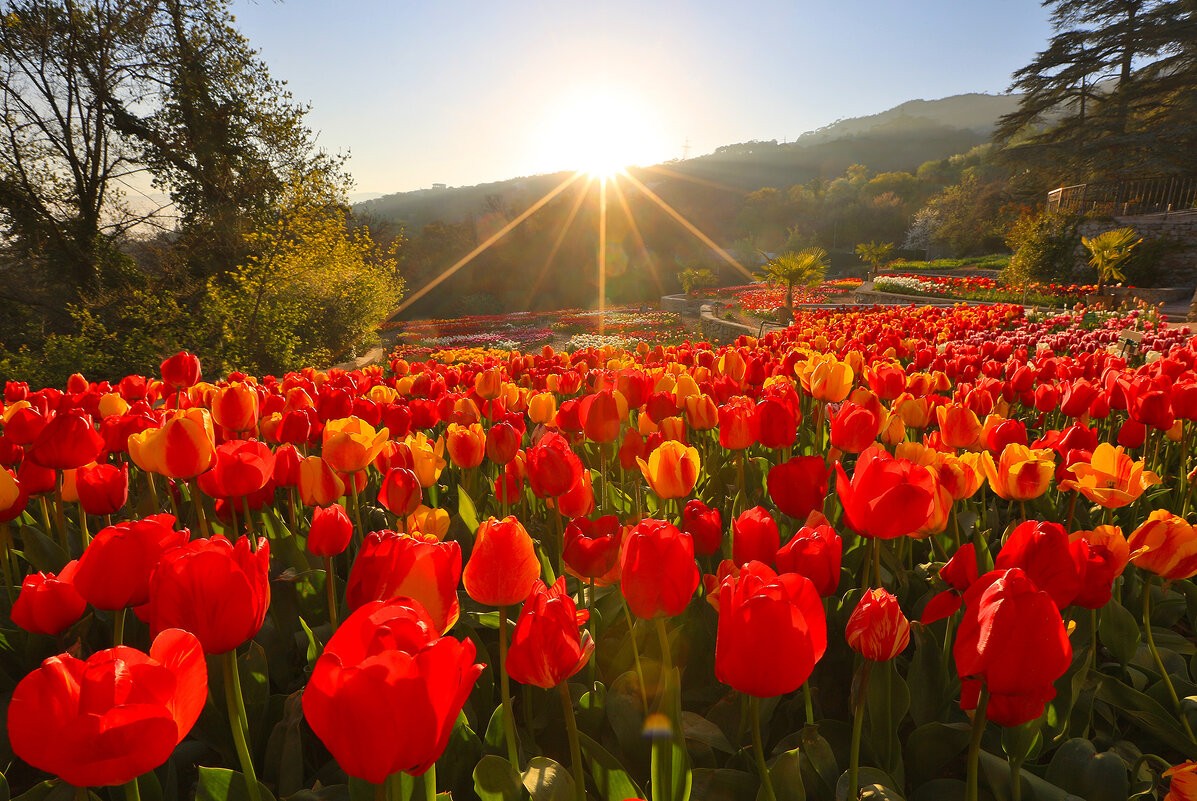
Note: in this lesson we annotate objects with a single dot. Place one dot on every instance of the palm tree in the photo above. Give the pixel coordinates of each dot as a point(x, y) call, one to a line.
point(805, 267)
point(874, 253)
point(1108, 250)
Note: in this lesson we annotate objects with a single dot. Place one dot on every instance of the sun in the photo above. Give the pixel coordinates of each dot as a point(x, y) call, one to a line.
point(601, 131)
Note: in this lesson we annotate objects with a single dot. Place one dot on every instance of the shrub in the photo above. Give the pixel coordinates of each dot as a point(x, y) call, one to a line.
point(1045, 248)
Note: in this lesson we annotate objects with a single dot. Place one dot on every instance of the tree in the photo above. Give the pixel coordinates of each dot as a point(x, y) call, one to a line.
point(693, 280)
point(61, 162)
point(1077, 117)
point(874, 253)
point(1108, 250)
point(804, 268)
point(314, 290)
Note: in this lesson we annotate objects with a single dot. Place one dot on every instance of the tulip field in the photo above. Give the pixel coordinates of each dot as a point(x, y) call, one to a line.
point(887, 553)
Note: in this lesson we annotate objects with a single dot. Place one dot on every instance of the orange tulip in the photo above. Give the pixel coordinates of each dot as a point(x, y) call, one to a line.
point(319, 484)
point(350, 444)
point(488, 384)
point(503, 565)
point(542, 408)
point(1111, 478)
point(427, 458)
point(1021, 473)
point(672, 469)
point(428, 522)
point(701, 412)
point(958, 426)
point(183, 448)
point(826, 378)
point(235, 407)
point(1166, 545)
point(466, 444)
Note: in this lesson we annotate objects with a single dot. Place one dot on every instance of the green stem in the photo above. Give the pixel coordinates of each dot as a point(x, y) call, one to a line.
point(118, 627)
point(430, 783)
point(380, 790)
point(330, 590)
point(974, 746)
point(810, 704)
point(758, 748)
point(857, 727)
point(877, 562)
point(149, 479)
point(238, 720)
point(635, 651)
point(1015, 779)
point(59, 516)
point(505, 689)
point(663, 639)
point(83, 527)
point(1159, 663)
point(132, 791)
point(357, 508)
point(193, 488)
point(81, 794)
point(249, 520)
point(575, 748)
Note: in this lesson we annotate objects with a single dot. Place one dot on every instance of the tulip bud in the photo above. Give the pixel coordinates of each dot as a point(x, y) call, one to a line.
point(877, 629)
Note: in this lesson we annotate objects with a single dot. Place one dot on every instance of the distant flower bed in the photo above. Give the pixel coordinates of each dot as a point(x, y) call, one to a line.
point(981, 288)
point(465, 338)
point(766, 298)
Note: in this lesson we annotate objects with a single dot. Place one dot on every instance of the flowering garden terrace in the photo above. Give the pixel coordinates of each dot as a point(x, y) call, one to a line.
point(983, 288)
point(895, 553)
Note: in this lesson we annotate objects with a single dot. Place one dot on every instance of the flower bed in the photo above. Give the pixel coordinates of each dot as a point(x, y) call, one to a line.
point(980, 288)
point(920, 550)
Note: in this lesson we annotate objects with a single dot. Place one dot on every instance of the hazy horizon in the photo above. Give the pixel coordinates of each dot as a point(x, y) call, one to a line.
point(462, 93)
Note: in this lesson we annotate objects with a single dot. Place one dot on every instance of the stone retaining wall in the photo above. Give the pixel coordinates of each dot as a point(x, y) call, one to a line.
point(1178, 266)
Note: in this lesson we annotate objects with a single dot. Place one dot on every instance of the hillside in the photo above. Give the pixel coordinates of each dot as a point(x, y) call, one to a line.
point(900, 138)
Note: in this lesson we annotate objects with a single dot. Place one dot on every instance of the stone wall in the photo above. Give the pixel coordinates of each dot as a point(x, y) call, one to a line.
point(718, 331)
point(1178, 266)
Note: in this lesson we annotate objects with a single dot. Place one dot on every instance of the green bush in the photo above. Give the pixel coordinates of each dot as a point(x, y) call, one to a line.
point(1045, 248)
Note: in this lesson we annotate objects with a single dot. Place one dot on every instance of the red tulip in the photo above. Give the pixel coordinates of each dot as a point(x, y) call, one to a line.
point(600, 416)
point(216, 590)
point(854, 427)
point(330, 532)
point(762, 613)
point(48, 603)
point(115, 570)
point(112, 718)
point(887, 497)
point(103, 488)
point(386, 692)
point(877, 629)
point(592, 549)
point(502, 442)
point(705, 525)
point(1045, 554)
point(67, 441)
point(503, 566)
point(815, 552)
point(401, 492)
point(777, 423)
point(553, 468)
point(391, 565)
point(799, 486)
point(181, 371)
point(546, 646)
point(755, 537)
point(242, 467)
point(658, 572)
point(738, 424)
point(1013, 640)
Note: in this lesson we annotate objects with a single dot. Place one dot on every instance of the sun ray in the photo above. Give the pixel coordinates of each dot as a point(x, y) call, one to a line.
point(495, 237)
point(689, 226)
point(692, 179)
point(602, 254)
point(569, 221)
point(627, 210)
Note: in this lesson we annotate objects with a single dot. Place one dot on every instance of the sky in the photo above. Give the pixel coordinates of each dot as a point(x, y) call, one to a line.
point(462, 92)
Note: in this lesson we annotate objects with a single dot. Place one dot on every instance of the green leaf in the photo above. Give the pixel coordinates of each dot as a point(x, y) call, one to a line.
point(1119, 631)
point(868, 776)
point(724, 784)
point(222, 784)
point(786, 776)
point(698, 728)
point(818, 758)
point(547, 780)
point(614, 783)
point(1147, 713)
point(466, 510)
point(496, 780)
point(1021, 742)
point(315, 647)
point(1077, 768)
point(41, 551)
point(932, 746)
